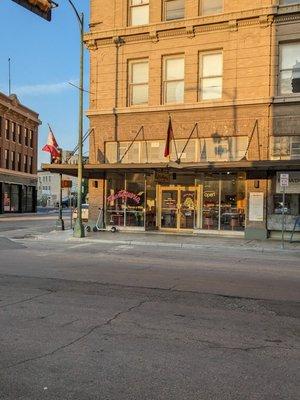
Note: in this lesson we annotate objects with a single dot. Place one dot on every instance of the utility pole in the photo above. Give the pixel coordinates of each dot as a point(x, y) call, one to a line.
point(78, 227)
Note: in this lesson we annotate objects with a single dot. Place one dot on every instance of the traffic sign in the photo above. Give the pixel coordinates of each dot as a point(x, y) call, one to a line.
point(284, 180)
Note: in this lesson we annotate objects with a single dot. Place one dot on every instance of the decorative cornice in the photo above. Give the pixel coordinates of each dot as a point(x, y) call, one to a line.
point(263, 17)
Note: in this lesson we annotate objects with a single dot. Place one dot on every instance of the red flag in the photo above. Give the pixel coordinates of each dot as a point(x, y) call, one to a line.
point(170, 135)
point(51, 146)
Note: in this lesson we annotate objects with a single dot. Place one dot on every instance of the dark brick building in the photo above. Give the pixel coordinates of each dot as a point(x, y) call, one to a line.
point(18, 156)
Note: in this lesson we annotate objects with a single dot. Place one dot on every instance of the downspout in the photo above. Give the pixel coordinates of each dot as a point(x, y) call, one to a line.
point(118, 43)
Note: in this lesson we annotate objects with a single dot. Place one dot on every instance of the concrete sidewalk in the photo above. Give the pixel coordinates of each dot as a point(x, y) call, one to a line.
point(175, 241)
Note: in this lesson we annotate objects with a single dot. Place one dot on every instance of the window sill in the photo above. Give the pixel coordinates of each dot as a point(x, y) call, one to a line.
point(287, 99)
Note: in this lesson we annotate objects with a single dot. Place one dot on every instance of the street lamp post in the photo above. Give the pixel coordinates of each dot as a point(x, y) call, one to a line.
point(78, 227)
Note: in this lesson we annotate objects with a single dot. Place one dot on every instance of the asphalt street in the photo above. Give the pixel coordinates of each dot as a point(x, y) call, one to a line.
point(82, 320)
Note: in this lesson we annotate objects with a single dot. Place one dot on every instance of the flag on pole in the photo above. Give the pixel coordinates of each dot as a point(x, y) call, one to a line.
point(170, 136)
point(51, 146)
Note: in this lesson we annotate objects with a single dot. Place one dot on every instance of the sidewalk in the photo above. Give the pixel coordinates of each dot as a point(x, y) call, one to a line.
point(175, 241)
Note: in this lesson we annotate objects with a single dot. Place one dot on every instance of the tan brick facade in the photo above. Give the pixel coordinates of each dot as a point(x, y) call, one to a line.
point(248, 37)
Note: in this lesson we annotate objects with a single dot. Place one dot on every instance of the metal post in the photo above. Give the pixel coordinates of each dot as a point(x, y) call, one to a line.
point(78, 227)
point(283, 218)
point(9, 77)
point(60, 225)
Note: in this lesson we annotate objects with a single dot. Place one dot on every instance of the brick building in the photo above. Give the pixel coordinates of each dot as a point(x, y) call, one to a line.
point(18, 156)
point(227, 73)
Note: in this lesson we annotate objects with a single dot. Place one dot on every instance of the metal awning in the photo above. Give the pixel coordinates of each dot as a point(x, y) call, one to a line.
point(96, 171)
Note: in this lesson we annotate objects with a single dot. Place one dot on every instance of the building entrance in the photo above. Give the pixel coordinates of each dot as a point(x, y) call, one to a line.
point(178, 207)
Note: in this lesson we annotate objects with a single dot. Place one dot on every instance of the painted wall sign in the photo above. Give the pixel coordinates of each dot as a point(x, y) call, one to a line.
point(124, 194)
point(256, 207)
point(293, 185)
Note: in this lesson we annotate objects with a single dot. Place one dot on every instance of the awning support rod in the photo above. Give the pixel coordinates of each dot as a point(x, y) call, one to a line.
point(255, 128)
point(131, 144)
point(187, 142)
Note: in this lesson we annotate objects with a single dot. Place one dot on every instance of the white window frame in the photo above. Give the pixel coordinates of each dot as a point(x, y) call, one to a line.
point(201, 78)
point(131, 7)
point(280, 69)
point(165, 81)
point(131, 85)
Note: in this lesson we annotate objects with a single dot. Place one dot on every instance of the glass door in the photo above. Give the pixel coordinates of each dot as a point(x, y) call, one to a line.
point(169, 208)
point(188, 206)
point(178, 208)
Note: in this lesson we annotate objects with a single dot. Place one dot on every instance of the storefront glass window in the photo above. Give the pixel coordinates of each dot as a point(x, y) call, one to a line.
point(125, 200)
point(233, 199)
point(6, 199)
point(150, 202)
point(11, 198)
point(14, 207)
point(135, 199)
point(210, 210)
point(115, 201)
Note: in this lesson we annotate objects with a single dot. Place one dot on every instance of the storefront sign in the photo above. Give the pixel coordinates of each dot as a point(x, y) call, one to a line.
point(124, 194)
point(256, 206)
point(293, 182)
point(209, 195)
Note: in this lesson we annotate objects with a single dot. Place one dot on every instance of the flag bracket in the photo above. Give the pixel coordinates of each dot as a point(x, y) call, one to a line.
point(178, 161)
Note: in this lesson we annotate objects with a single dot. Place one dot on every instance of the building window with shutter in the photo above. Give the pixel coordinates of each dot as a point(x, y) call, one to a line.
point(138, 82)
point(173, 79)
point(211, 75)
point(173, 9)
point(210, 7)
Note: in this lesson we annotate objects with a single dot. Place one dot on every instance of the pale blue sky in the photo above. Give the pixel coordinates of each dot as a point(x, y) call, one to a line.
point(45, 57)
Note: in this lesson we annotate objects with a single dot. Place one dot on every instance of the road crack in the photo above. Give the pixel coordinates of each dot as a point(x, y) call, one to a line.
point(28, 299)
point(78, 339)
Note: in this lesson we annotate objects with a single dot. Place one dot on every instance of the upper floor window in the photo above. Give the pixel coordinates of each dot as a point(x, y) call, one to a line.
point(138, 82)
point(138, 12)
point(6, 155)
point(31, 138)
point(7, 129)
point(26, 136)
point(288, 2)
point(211, 75)
point(289, 80)
point(173, 79)
point(19, 134)
point(211, 7)
point(13, 131)
point(173, 9)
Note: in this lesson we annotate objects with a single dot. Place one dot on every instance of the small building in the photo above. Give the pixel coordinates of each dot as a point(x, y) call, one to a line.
point(18, 156)
point(49, 186)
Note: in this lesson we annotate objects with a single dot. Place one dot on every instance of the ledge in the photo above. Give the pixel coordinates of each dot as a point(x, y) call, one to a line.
point(180, 107)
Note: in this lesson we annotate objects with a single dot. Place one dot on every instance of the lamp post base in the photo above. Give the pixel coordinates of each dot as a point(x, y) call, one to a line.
point(78, 231)
point(59, 224)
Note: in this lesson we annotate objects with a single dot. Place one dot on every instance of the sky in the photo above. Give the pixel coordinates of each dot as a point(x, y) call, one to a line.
point(44, 58)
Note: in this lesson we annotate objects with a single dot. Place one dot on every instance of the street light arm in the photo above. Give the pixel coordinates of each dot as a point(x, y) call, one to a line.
point(80, 20)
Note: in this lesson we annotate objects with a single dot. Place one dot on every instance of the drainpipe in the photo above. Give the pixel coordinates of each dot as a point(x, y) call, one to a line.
point(118, 42)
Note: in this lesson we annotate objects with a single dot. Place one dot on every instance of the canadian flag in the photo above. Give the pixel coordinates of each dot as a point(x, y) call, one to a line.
point(51, 146)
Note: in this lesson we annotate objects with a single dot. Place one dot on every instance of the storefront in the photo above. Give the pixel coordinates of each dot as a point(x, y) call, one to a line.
point(171, 201)
point(17, 198)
